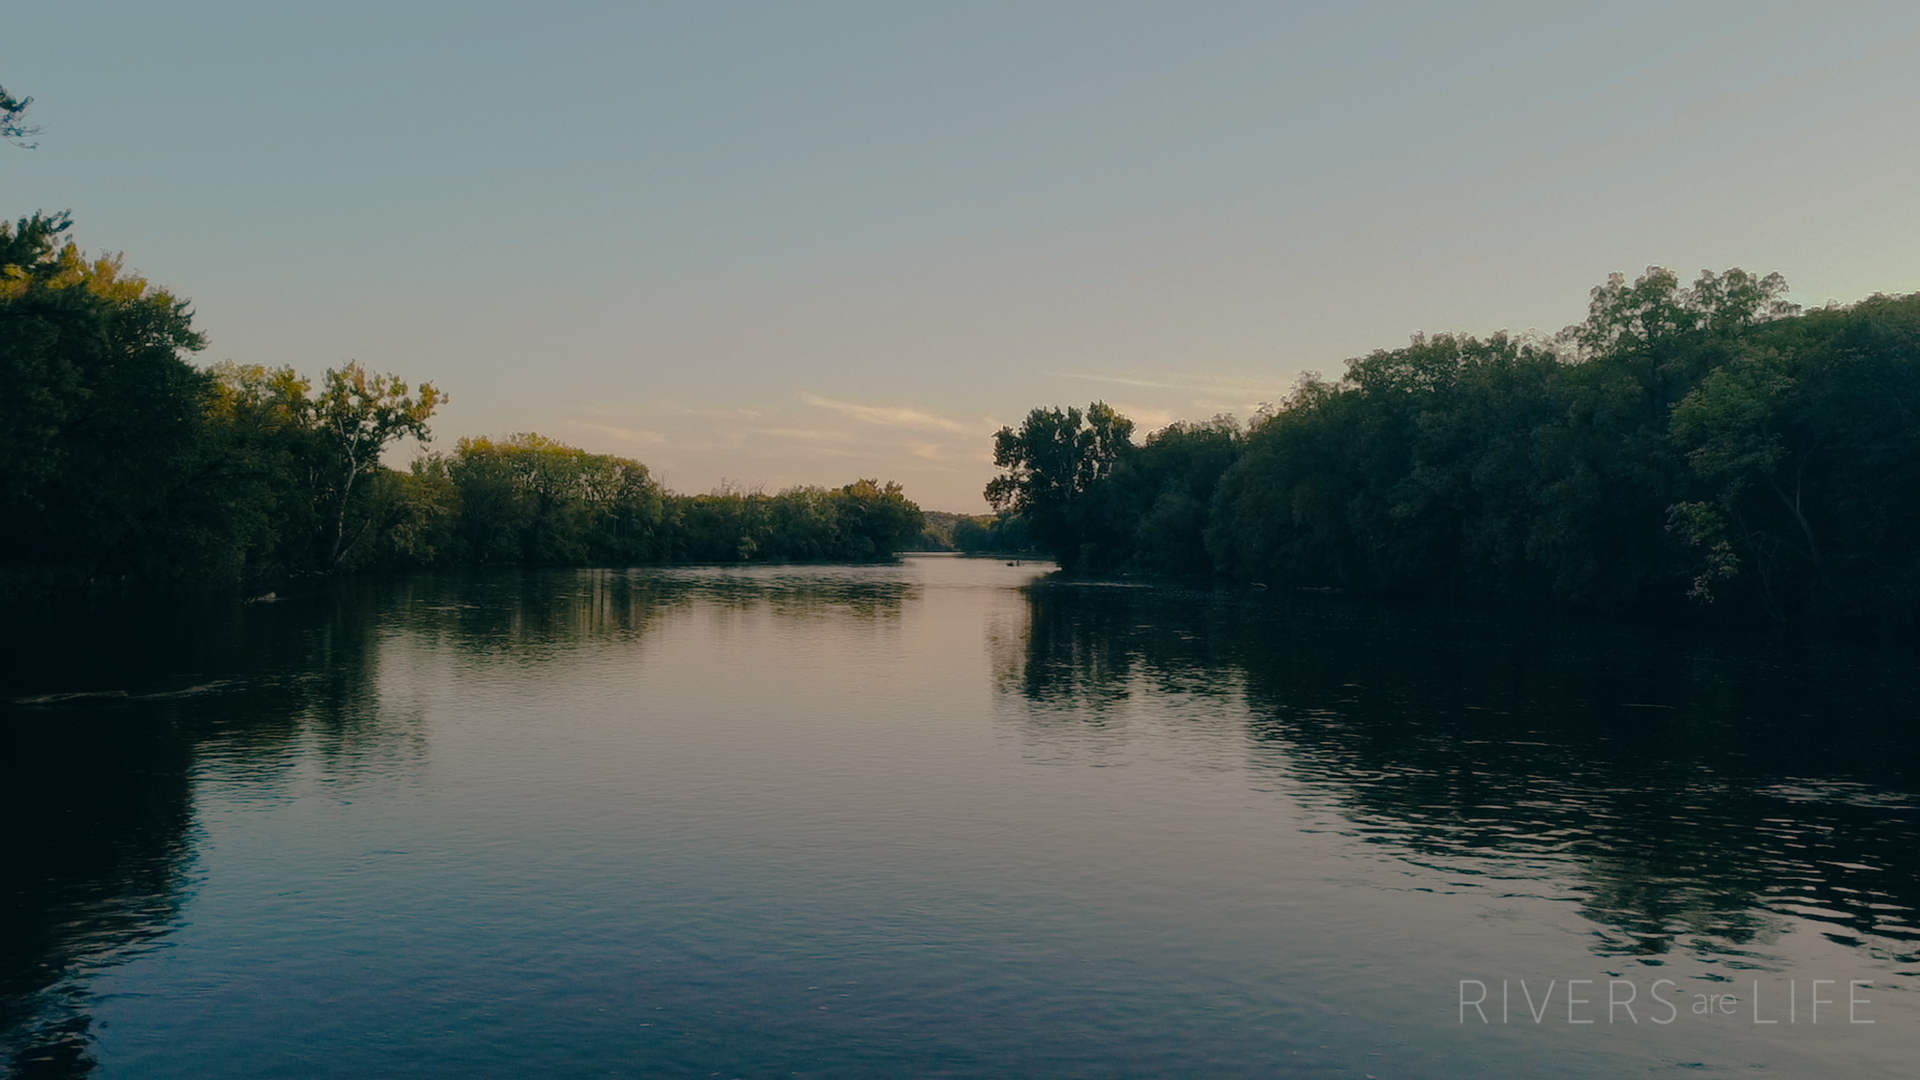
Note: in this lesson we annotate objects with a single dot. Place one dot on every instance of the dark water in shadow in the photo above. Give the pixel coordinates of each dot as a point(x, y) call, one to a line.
point(1686, 791)
point(936, 819)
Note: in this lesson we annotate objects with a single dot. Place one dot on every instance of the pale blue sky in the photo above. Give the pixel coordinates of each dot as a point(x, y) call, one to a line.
point(806, 242)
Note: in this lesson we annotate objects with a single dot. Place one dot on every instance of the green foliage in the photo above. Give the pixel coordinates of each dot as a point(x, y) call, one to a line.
point(265, 464)
point(1151, 516)
point(529, 499)
point(356, 414)
point(103, 426)
point(1805, 456)
point(937, 534)
point(1053, 463)
point(119, 460)
point(1708, 441)
point(1281, 510)
point(994, 534)
point(875, 519)
point(299, 471)
point(861, 521)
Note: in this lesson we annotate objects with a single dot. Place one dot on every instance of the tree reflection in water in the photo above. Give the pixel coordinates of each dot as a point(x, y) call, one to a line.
point(1690, 792)
point(1692, 796)
point(110, 718)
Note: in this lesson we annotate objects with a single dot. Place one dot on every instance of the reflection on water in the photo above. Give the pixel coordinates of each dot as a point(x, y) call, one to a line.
point(95, 850)
point(1689, 794)
point(112, 714)
point(932, 818)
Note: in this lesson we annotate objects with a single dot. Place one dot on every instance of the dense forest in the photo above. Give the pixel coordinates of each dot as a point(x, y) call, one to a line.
point(121, 461)
point(1693, 445)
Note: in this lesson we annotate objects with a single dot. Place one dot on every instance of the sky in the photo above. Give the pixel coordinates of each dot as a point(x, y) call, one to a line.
point(767, 244)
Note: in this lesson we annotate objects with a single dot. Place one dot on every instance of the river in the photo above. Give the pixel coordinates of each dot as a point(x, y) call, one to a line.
point(945, 817)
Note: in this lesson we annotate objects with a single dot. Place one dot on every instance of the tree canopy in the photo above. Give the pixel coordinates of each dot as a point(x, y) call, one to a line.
point(1703, 444)
point(1052, 463)
point(101, 433)
point(120, 460)
point(356, 414)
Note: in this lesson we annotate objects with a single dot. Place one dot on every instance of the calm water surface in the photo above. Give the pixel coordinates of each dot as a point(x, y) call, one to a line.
point(943, 818)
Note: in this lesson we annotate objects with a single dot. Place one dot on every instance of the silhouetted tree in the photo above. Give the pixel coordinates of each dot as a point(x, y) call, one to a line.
point(12, 127)
point(1053, 462)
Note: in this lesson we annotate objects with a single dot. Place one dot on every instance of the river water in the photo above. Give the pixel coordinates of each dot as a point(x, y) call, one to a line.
point(944, 817)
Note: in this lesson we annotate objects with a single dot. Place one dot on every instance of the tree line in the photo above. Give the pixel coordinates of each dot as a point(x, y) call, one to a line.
point(1703, 444)
point(120, 460)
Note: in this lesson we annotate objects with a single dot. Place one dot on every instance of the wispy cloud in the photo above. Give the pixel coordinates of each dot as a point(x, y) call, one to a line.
point(791, 455)
point(623, 434)
point(1186, 386)
point(1145, 417)
point(807, 435)
point(889, 416)
point(725, 414)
